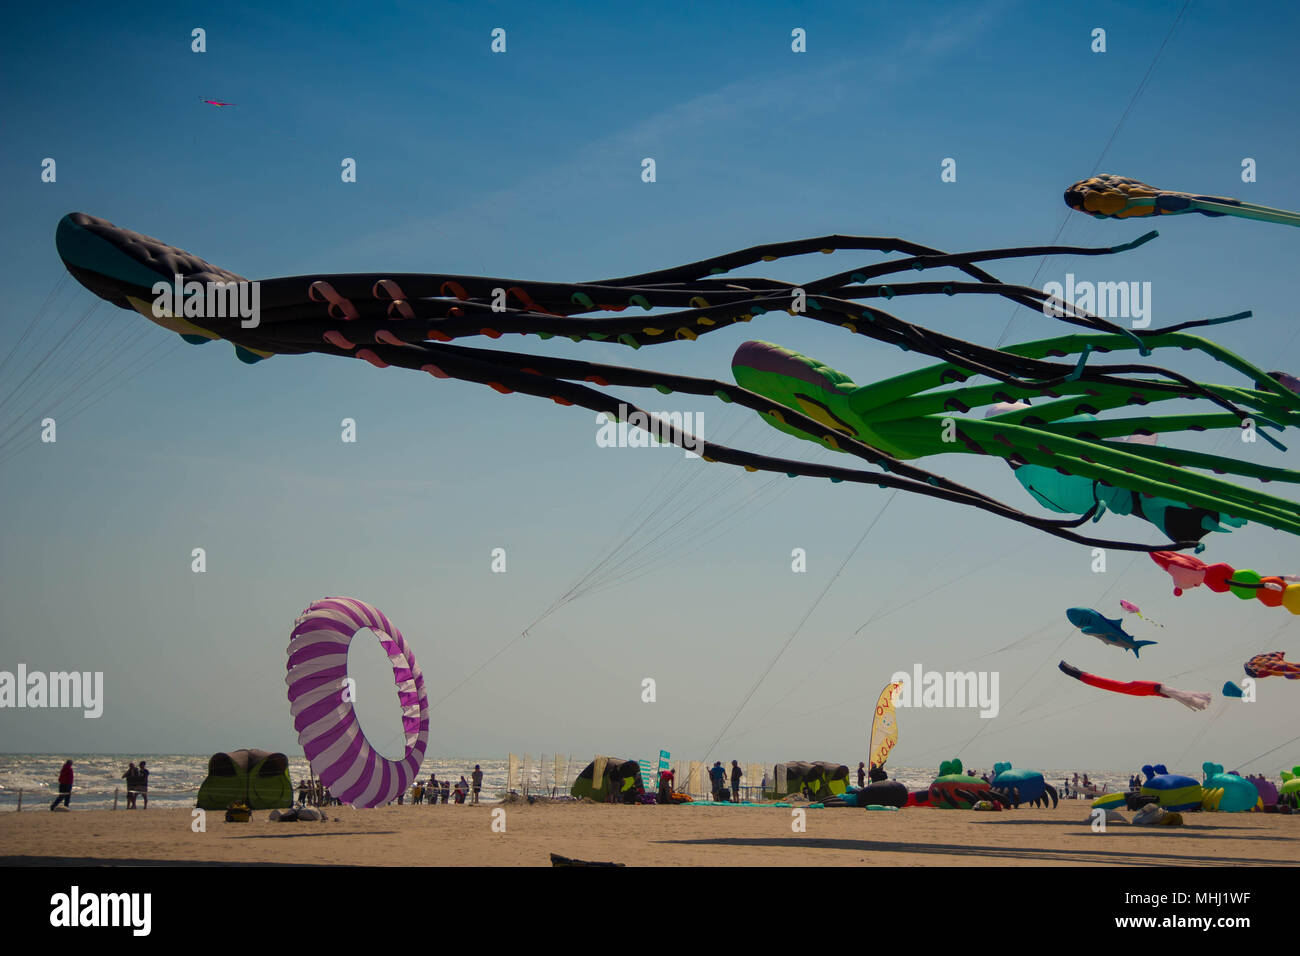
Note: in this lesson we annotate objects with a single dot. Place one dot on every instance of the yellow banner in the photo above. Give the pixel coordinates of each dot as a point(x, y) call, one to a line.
point(884, 727)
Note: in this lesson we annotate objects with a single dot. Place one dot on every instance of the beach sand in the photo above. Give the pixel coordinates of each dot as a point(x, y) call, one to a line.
point(647, 836)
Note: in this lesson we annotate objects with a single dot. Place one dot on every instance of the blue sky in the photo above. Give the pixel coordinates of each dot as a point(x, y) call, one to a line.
point(528, 164)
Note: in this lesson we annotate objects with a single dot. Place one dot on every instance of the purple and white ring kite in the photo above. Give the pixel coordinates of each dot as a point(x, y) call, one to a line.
point(322, 711)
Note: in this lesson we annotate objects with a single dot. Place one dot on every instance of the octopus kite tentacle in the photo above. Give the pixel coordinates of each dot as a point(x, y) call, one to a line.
point(375, 309)
point(408, 320)
point(511, 372)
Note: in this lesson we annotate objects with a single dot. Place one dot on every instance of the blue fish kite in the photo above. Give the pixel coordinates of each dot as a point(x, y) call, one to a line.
point(1105, 629)
point(1232, 690)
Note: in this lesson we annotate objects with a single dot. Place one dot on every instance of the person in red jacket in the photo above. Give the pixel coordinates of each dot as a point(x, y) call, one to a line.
point(65, 786)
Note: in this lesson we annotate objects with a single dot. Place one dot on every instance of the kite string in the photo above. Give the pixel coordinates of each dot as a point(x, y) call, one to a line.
point(1267, 752)
point(1223, 709)
point(799, 627)
point(985, 723)
point(581, 586)
point(37, 320)
point(1137, 93)
point(881, 612)
point(879, 615)
point(15, 445)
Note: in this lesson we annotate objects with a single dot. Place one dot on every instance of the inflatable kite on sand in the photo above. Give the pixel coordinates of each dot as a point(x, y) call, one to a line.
point(1023, 786)
point(1196, 700)
point(1290, 789)
point(1173, 791)
point(1170, 791)
point(955, 790)
point(1118, 197)
point(321, 704)
point(1279, 590)
point(1227, 792)
point(409, 320)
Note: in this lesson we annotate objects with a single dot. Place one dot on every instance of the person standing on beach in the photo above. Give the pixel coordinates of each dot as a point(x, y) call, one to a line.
point(477, 778)
point(65, 786)
point(736, 774)
point(862, 774)
point(129, 777)
point(877, 774)
point(142, 783)
point(718, 778)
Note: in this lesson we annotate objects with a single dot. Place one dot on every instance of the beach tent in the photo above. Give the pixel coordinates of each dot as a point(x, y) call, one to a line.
point(787, 778)
point(257, 778)
point(835, 777)
point(823, 778)
point(616, 772)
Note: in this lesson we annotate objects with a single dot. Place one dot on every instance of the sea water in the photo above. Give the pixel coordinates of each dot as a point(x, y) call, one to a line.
point(174, 779)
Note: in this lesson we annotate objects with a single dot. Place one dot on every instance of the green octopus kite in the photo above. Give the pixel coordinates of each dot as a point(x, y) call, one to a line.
point(1067, 458)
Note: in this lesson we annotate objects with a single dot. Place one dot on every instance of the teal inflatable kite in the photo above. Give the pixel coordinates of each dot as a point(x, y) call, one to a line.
point(1227, 792)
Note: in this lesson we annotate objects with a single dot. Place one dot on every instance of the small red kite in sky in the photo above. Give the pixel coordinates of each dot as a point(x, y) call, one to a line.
point(218, 103)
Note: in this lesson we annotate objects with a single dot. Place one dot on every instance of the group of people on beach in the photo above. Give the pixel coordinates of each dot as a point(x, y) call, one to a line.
point(137, 784)
point(315, 794)
point(718, 783)
point(718, 779)
point(1084, 788)
point(875, 774)
point(435, 788)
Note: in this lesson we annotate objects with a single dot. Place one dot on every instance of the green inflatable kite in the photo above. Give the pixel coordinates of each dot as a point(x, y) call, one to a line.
point(1067, 458)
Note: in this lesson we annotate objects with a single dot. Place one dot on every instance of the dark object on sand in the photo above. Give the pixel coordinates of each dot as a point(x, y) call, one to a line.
point(557, 860)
